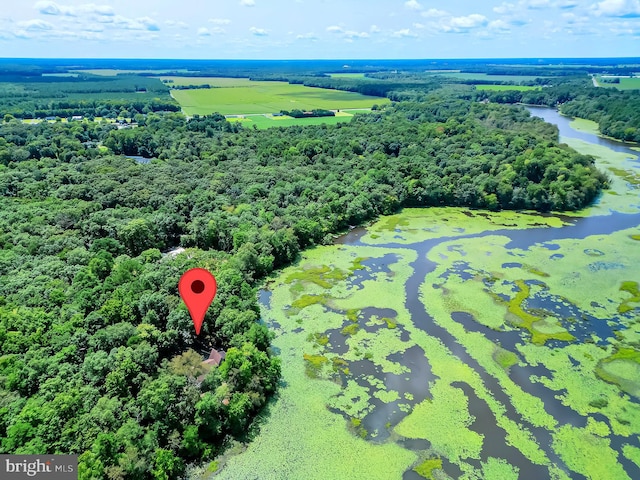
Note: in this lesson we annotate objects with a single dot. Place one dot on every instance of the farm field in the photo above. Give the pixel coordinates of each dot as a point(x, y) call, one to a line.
point(242, 96)
point(484, 76)
point(224, 82)
point(625, 83)
point(347, 75)
point(505, 87)
point(263, 122)
point(110, 72)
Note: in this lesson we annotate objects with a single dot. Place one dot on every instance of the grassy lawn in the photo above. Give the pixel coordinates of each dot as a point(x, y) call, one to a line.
point(241, 96)
point(505, 87)
point(262, 122)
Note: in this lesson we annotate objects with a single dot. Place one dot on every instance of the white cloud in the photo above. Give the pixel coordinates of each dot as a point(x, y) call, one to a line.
point(307, 36)
point(463, 24)
point(247, 3)
point(419, 26)
point(220, 21)
point(105, 10)
point(434, 13)
point(259, 32)
point(500, 26)
point(404, 33)
point(354, 34)
point(374, 29)
point(92, 28)
point(143, 23)
point(52, 8)
point(624, 28)
point(173, 23)
point(413, 5)
point(47, 7)
point(567, 4)
point(149, 24)
point(505, 8)
point(335, 29)
point(618, 8)
point(535, 4)
point(35, 25)
point(204, 32)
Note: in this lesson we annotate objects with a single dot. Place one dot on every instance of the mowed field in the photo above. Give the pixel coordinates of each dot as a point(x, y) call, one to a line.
point(484, 76)
point(267, 121)
point(625, 83)
point(505, 87)
point(239, 96)
point(110, 72)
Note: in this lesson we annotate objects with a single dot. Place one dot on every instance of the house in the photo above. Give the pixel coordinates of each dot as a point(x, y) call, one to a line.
point(215, 357)
point(76, 117)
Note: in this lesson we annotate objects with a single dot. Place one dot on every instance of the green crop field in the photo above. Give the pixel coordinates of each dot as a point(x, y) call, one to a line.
point(241, 96)
point(484, 76)
point(347, 75)
point(223, 82)
point(625, 83)
point(505, 87)
point(263, 122)
point(110, 72)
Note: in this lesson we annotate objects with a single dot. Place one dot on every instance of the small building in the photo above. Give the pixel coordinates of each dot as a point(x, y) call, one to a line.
point(77, 117)
point(215, 357)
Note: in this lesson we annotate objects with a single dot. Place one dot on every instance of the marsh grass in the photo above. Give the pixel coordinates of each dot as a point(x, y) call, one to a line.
point(634, 290)
point(314, 364)
point(350, 329)
point(540, 330)
point(505, 358)
point(426, 468)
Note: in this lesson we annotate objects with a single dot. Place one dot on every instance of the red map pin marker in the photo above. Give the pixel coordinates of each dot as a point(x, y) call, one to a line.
point(197, 288)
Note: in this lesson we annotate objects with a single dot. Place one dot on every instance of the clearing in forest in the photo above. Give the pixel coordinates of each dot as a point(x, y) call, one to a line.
point(239, 96)
point(496, 88)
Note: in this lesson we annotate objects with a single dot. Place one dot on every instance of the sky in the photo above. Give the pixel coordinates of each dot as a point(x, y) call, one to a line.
point(319, 29)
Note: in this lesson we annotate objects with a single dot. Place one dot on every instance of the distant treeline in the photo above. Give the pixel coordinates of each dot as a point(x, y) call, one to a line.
point(190, 87)
point(106, 109)
point(90, 96)
point(552, 70)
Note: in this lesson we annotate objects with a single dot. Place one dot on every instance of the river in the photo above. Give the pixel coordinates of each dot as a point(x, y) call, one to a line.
point(495, 403)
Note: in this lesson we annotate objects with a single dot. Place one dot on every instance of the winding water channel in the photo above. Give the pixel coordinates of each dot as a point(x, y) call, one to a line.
point(413, 385)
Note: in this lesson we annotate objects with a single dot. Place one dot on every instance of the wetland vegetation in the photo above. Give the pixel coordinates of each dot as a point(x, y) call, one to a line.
point(513, 353)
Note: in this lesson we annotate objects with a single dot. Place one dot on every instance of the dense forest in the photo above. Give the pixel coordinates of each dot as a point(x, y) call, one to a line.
point(99, 356)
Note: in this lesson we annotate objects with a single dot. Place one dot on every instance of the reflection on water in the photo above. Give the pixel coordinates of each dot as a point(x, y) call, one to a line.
point(563, 123)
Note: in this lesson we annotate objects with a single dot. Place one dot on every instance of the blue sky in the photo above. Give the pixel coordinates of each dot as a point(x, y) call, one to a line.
point(293, 29)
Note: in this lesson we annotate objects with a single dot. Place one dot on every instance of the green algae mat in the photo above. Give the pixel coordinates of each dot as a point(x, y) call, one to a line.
point(450, 343)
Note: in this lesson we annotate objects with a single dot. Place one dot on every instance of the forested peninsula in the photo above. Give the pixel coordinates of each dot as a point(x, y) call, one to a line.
point(99, 356)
